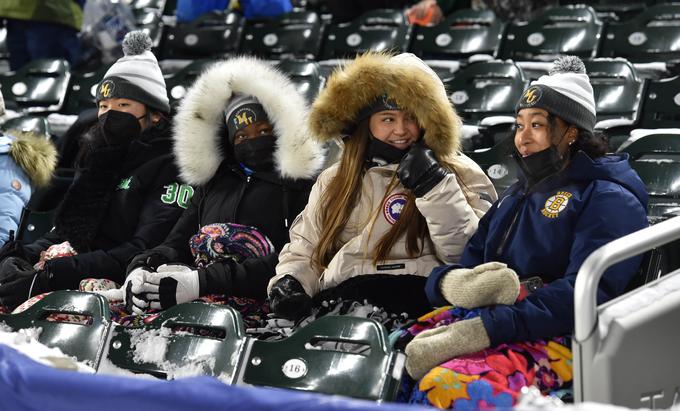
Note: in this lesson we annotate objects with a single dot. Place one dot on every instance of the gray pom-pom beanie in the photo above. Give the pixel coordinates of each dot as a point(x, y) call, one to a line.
point(565, 92)
point(136, 75)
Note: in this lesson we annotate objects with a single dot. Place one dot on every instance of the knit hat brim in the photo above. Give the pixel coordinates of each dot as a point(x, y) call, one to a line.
point(115, 87)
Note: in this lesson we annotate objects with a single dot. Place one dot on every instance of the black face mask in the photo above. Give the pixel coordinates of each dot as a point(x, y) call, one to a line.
point(257, 153)
point(119, 128)
point(379, 153)
point(540, 165)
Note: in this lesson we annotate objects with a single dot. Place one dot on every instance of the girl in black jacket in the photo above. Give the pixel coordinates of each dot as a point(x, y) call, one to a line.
point(241, 140)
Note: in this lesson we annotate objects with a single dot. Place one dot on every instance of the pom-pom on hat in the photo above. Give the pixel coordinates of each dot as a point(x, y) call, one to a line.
point(136, 75)
point(565, 92)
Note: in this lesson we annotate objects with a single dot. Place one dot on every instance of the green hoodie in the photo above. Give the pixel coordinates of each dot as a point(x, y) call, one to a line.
point(66, 12)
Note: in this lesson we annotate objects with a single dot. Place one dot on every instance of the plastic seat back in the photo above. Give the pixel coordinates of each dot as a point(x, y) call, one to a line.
point(661, 107)
point(82, 90)
point(38, 86)
point(485, 89)
point(28, 123)
point(215, 34)
point(34, 224)
point(376, 30)
point(618, 89)
point(656, 159)
point(179, 82)
point(573, 30)
point(463, 34)
point(339, 355)
point(53, 315)
point(187, 339)
point(497, 163)
point(296, 34)
point(651, 36)
point(305, 75)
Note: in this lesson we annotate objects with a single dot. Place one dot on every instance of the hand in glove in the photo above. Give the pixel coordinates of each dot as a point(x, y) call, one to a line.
point(149, 260)
point(419, 170)
point(172, 284)
point(433, 347)
point(487, 284)
point(132, 289)
point(20, 281)
point(11, 249)
point(288, 298)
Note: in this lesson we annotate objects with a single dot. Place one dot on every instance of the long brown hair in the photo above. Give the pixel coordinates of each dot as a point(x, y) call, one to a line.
point(343, 193)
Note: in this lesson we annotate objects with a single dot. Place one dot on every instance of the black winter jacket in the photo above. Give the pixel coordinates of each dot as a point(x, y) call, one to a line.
point(117, 206)
point(262, 200)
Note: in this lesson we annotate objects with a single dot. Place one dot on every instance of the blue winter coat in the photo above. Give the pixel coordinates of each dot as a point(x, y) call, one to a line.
point(548, 230)
point(15, 190)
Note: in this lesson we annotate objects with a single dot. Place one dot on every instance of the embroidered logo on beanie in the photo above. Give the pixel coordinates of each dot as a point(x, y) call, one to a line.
point(531, 96)
point(106, 88)
point(242, 111)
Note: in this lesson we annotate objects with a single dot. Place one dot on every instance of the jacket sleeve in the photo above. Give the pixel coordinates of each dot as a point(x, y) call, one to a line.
point(453, 208)
point(246, 279)
point(549, 312)
point(15, 191)
point(155, 221)
point(175, 246)
point(296, 257)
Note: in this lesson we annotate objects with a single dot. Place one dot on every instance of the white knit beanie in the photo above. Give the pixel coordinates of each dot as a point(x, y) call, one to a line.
point(136, 75)
point(565, 92)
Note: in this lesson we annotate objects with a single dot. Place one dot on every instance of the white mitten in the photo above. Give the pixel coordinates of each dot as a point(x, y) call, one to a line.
point(433, 347)
point(487, 284)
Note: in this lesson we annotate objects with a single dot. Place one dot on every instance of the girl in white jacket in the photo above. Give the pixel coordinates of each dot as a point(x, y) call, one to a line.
point(401, 200)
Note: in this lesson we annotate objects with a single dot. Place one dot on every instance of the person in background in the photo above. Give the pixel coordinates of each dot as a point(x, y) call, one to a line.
point(401, 200)
point(124, 198)
point(513, 291)
point(42, 29)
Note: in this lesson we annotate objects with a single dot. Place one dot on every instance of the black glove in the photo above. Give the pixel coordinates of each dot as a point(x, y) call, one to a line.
point(288, 299)
point(12, 248)
point(419, 170)
point(149, 260)
point(21, 282)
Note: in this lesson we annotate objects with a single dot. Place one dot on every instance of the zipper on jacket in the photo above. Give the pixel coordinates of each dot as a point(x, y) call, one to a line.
point(242, 191)
point(284, 189)
point(506, 236)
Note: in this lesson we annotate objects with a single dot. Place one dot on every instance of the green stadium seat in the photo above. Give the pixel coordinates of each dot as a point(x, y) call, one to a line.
point(28, 123)
point(52, 314)
point(497, 162)
point(618, 89)
point(573, 30)
point(207, 338)
point(38, 86)
point(305, 75)
point(661, 107)
point(656, 159)
point(296, 35)
point(486, 89)
point(179, 82)
point(213, 35)
point(34, 224)
point(376, 30)
point(82, 90)
point(651, 36)
point(463, 34)
point(338, 355)
point(150, 20)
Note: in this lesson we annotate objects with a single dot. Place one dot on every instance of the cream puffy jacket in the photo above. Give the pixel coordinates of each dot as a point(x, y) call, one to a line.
point(451, 209)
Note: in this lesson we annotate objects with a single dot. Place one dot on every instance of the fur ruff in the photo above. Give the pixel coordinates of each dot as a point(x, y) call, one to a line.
point(200, 118)
point(36, 155)
point(371, 75)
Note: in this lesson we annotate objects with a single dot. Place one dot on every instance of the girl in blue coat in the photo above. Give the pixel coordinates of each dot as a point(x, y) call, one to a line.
point(571, 199)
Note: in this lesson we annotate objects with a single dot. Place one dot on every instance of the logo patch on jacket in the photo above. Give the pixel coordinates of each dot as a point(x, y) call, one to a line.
point(393, 206)
point(125, 183)
point(556, 204)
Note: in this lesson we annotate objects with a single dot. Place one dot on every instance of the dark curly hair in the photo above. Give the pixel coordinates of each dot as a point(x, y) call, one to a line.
point(594, 144)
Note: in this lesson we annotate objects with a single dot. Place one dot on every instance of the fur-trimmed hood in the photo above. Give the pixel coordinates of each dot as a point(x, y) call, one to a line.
point(404, 78)
point(200, 118)
point(35, 154)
